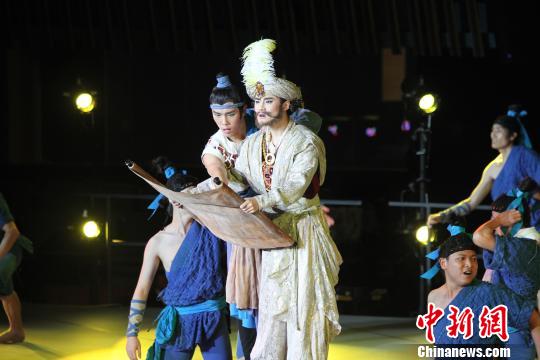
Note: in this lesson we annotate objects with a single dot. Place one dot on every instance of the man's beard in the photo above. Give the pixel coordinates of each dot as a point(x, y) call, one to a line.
point(273, 119)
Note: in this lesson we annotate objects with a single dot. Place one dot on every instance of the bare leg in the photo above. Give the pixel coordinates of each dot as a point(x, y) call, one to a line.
point(535, 333)
point(534, 326)
point(12, 307)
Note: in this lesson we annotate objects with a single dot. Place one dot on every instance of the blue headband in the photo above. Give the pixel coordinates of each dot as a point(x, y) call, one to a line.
point(434, 255)
point(228, 105)
point(525, 139)
point(154, 205)
point(169, 172)
point(223, 82)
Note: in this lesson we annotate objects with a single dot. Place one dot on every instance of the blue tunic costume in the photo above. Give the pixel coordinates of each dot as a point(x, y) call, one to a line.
point(479, 294)
point(516, 265)
point(521, 162)
point(10, 262)
point(194, 295)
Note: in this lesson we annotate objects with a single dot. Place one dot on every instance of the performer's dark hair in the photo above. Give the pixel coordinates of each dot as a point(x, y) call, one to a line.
point(527, 185)
point(457, 243)
point(177, 182)
point(224, 95)
point(457, 220)
point(511, 123)
point(295, 105)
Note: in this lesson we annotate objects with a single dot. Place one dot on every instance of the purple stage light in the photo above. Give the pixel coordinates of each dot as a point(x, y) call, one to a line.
point(405, 125)
point(371, 131)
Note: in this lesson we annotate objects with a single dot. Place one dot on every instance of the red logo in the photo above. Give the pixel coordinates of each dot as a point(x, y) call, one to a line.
point(460, 323)
point(491, 322)
point(429, 320)
point(494, 322)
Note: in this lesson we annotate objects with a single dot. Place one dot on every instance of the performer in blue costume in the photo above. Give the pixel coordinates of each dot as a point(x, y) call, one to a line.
point(513, 256)
point(457, 258)
point(516, 160)
point(11, 252)
point(195, 312)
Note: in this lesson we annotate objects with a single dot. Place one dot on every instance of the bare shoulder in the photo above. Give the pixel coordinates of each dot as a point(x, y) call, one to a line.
point(494, 167)
point(155, 242)
point(435, 296)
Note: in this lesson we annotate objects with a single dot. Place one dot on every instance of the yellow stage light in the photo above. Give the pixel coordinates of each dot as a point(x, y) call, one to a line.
point(91, 229)
point(428, 103)
point(85, 102)
point(422, 234)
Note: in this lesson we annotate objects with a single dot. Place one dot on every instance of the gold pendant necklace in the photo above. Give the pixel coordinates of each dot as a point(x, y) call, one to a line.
point(270, 154)
point(269, 159)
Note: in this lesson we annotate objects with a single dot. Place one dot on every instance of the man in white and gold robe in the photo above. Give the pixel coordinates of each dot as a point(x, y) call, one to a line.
point(286, 164)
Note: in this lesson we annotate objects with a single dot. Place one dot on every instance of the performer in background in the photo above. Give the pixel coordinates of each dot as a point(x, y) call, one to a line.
point(512, 253)
point(516, 160)
point(11, 252)
point(195, 312)
point(285, 163)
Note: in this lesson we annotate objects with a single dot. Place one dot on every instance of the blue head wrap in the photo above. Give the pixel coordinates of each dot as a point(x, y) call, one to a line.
point(434, 255)
point(154, 205)
point(224, 82)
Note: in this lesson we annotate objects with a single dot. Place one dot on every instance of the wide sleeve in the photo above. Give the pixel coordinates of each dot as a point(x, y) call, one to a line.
point(513, 254)
point(297, 179)
point(519, 308)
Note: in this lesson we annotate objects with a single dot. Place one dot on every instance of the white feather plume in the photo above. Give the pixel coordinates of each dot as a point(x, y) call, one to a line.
point(258, 63)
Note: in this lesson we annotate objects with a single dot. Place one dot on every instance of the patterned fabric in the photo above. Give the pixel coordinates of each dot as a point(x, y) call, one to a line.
point(477, 295)
point(227, 151)
point(135, 318)
point(297, 284)
point(267, 170)
point(516, 265)
point(521, 162)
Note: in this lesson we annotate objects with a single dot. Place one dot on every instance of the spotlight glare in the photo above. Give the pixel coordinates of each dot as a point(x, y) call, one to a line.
point(371, 131)
point(406, 125)
point(422, 234)
point(333, 129)
point(85, 102)
point(428, 103)
point(91, 229)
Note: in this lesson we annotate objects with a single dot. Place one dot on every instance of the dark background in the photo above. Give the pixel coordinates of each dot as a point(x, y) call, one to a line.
point(153, 63)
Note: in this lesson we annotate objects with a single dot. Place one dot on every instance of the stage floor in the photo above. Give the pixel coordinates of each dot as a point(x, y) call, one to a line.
point(96, 332)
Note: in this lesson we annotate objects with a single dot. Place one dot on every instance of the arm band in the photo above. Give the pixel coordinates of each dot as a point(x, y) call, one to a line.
point(136, 313)
point(461, 209)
